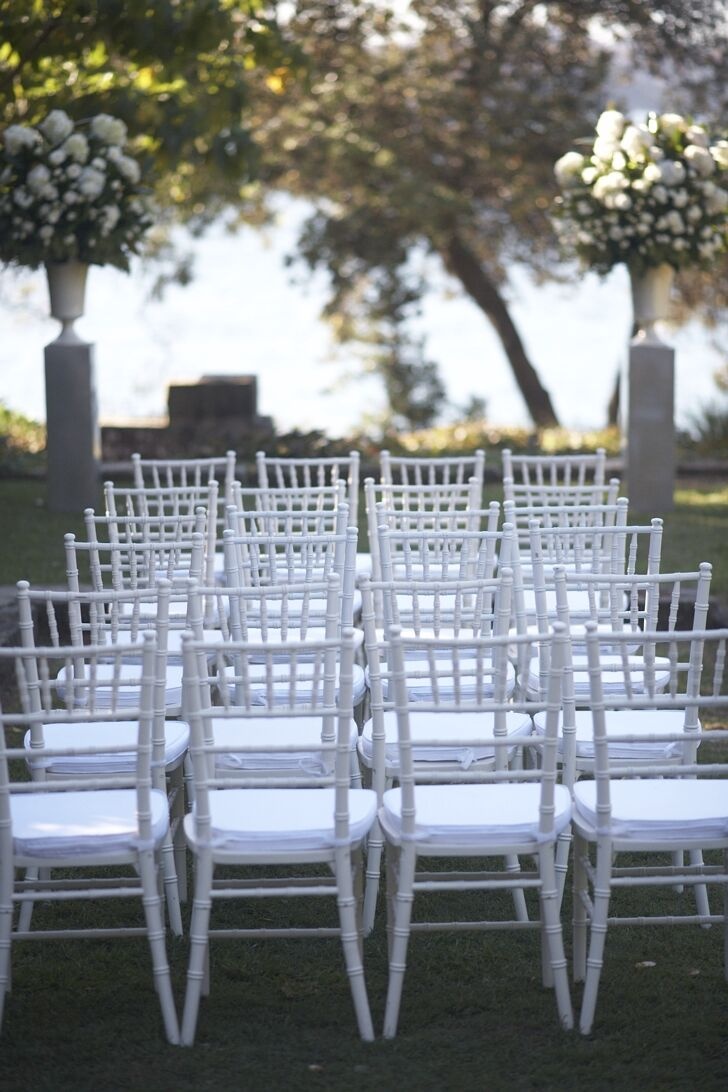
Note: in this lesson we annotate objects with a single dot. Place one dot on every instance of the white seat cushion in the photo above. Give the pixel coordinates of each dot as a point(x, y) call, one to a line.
point(114, 733)
point(258, 821)
point(363, 564)
point(493, 815)
point(108, 691)
point(613, 676)
point(419, 684)
point(663, 810)
point(620, 722)
point(303, 683)
point(76, 824)
point(468, 729)
point(266, 733)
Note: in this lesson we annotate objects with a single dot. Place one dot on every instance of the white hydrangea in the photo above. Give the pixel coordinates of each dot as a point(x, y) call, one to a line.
point(91, 182)
point(701, 159)
point(611, 125)
point(17, 137)
point(109, 129)
point(77, 147)
point(56, 127)
point(568, 169)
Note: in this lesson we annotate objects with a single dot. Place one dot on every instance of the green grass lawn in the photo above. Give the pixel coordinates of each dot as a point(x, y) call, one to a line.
point(84, 1016)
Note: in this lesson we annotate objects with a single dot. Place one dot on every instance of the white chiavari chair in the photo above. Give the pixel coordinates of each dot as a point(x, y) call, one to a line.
point(96, 835)
point(316, 819)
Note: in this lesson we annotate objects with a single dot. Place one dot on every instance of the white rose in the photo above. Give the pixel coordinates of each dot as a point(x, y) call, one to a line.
point(46, 233)
point(70, 197)
point(673, 172)
point(57, 126)
point(38, 178)
point(693, 214)
point(100, 163)
point(57, 157)
point(719, 153)
point(675, 222)
point(700, 159)
point(585, 238)
point(680, 198)
point(717, 201)
point(656, 153)
point(73, 171)
point(616, 233)
point(129, 168)
point(609, 184)
point(604, 148)
point(672, 124)
point(22, 198)
point(567, 169)
point(589, 175)
point(679, 244)
point(110, 219)
point(17, 137)
point(652, 173)
point(91, 182)
point(696, 134)
point(636, 140)
point(50, 192)
point(640, 185)
point(643, 229)
point(77, 147)
point(611, 124)
point(583, 208)
point(660, 194)
point(110, 130)
point(619, 161)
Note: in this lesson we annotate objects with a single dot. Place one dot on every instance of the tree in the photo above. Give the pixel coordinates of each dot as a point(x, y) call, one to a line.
point(436, 133)
point(177, 73)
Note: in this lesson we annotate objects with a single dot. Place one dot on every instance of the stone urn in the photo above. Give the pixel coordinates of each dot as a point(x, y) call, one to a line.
point(651, 290)
point(67, 295)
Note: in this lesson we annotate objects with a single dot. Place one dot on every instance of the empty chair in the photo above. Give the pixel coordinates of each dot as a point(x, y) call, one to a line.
point(104, 620)
point(98, 833)
point(504, 813)
point(159, 474)
point(316, 819)
point(422, 470)
point(650, 810)
point(307, 473)
point(556, 479)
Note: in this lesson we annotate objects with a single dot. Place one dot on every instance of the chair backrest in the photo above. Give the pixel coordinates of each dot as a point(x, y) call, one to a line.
point(452, 505)
point(117, 681)
point(283, 521)
point(138, 550)
point(161, 474)
point(617, 548)
point(301, 498)
point(567, 515)
point(477, 678)
point(699, 686)
point(547, 479)
point(294, 473)
point(275, 558)
point(278, 679)
point(423, 470)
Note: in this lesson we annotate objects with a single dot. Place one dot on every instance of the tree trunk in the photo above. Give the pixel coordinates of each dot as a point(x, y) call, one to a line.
point(463, 264)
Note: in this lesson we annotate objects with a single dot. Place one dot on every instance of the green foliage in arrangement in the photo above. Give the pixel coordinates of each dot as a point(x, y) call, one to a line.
point(22, 443)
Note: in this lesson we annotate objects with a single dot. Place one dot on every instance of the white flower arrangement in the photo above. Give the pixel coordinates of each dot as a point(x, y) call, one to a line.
point(646, 194)
point(70, 191)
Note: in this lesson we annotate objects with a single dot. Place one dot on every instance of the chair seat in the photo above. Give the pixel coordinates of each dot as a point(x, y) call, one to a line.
point(496, 815)
point(639, 722)
point(266, 733)
point(665, 810)
point(303, 684)
point(363, 564)
point(468, 729)
point(258, 821)
point(74, 825)
point(420, 689)
point(115, 733)
point(613, 676)
point(126, 693)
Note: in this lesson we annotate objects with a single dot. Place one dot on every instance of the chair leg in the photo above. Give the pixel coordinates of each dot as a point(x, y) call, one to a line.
point(580, 892)
point(6, 930)
point(375, 847)
point(155, 930)
point(597, 937)
point(350, 939)
point(519, 898)
point(400, 931)
point(197, 972)
point(171, 888)
point(552, 936)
